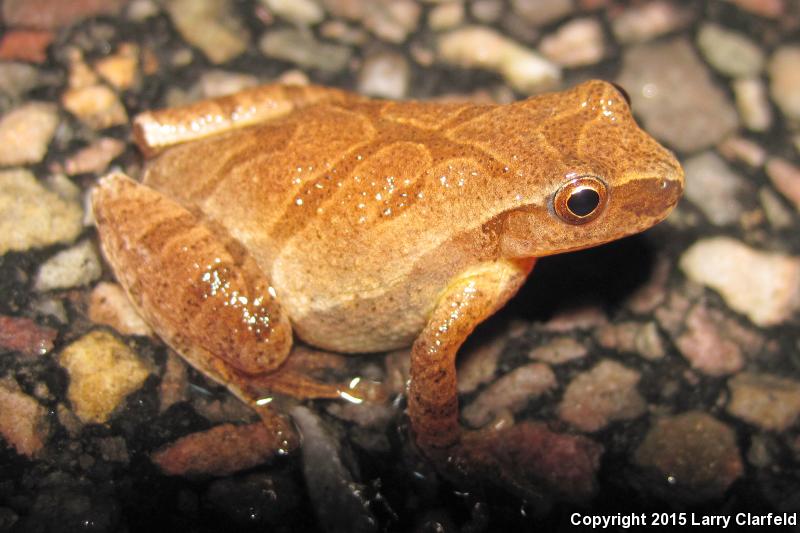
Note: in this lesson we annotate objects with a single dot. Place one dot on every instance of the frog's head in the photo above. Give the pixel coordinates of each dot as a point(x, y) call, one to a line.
point(597, 176)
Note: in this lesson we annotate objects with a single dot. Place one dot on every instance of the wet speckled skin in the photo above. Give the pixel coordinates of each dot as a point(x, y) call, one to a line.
point(368, 224)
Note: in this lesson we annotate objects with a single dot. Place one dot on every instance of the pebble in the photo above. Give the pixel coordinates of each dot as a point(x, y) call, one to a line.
point(692, 451)
point(109, 305)
point(510, 392)
point(384, 75)
point(219, 451)
point(763, 8)
point(563, 464)
point(604, 394)
point(483, 47)
point(120, 69)
point(23, 421)
point(477, 364)
point(786, 178)
point(219, 410)
point(25, 45)
point(67, 189)
point(53, 14)
point(559, 351)
point(338, 30)
point(577, 43)
point(652, 293)
point(744, 150)
point(578, 318)
point(266, 501)
point(348, 9)
point(763, 451)
point(25, 133)
point(18, 78)
point(293, 77)
point(97, 106)
point(23, 335)
point(541, 12)
point(113, 449)
point(784, 73)
point(446, 16)
point(301, 48)
point(391, 20)
point(730, 52)
point(141, 10)
point(767, 401)
point(94, 158)
point(174, 382)
point(73, 267)
point(80, 74)
point(635, 337)
point(210, 25)
point(102, 372)
point(763, 286)
point(648, 20)
point(373, 416)
point(753, 104)
point(32, 216)
point(778, 215)
point(215, 83)
point(338, 500)
point(301, 12)
point(51, 307)
point(673, 93)
point(715, 189)
point(487, 11)
point(706, 346)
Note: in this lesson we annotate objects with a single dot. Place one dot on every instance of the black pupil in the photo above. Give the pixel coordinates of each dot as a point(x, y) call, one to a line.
point(583, 202)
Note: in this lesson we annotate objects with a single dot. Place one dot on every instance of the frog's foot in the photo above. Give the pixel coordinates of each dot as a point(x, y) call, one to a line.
point(527, 459)
point(294, 383)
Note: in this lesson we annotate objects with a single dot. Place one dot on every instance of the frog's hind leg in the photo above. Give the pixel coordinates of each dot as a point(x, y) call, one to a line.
point(203, 294)
point(208, 301)
point(154, 131)
point(511, 457)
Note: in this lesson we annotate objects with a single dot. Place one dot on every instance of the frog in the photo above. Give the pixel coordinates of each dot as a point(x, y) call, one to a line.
point(361, 225)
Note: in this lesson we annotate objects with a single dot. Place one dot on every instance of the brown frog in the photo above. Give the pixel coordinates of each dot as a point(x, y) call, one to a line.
point(364, 225)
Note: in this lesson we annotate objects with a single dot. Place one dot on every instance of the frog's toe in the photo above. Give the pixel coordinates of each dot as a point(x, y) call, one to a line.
point(528, 459)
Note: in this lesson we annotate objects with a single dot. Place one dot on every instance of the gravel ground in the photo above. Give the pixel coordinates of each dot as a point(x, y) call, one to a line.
point(662, 371)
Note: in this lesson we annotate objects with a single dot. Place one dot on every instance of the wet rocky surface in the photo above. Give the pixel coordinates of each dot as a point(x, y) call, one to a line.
point(658, 373)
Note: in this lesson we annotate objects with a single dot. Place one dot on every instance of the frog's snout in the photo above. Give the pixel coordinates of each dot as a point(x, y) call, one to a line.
point(673, 182)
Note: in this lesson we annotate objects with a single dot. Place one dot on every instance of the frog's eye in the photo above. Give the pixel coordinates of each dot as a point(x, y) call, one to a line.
point(580, 199)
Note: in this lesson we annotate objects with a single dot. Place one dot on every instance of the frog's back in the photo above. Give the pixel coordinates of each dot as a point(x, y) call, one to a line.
point(334, 184)
point(366, 205)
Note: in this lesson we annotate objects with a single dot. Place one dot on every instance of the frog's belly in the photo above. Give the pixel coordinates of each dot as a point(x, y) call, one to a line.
point(380, 321)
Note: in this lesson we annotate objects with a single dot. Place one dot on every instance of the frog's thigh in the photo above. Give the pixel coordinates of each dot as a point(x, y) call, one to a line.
point(154, 131)
point(469, 299)
point(205, 297)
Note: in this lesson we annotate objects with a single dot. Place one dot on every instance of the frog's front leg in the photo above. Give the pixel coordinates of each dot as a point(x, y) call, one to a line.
point(154, 131)
point(519, 458)
point(468, 300)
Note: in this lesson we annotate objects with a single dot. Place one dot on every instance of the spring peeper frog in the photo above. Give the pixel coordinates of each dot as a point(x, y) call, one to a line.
point(362, 225)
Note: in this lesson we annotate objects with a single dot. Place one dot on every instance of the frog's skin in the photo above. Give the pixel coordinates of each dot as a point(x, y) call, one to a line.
point(365, 225)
